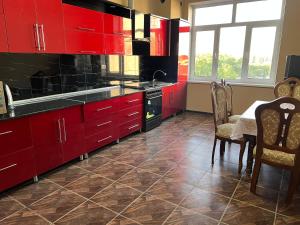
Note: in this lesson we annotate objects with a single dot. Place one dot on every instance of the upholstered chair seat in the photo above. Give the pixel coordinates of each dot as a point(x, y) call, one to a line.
point(233, 118)
point(225, 130)
point(278, 157)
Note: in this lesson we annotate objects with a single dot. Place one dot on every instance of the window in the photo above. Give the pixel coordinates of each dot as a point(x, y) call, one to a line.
point(236, 40)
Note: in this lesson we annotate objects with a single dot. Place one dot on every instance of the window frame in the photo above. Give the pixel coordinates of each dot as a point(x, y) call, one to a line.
point(247, 44)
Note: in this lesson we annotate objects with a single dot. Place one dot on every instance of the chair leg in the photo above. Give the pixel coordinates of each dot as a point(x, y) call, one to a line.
point(292, 186)
point(242, 150)
point(213, 152)
point(222, 147)
point(255, 176)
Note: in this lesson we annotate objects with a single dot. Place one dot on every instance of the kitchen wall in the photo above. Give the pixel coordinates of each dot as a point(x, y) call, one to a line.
point(198, 93)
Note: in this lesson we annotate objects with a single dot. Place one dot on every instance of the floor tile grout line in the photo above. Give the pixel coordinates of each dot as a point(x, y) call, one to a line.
point(225, 210)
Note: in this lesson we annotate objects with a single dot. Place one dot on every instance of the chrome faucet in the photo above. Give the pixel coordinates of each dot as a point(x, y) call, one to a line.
point(153, 76)
point(10, 101)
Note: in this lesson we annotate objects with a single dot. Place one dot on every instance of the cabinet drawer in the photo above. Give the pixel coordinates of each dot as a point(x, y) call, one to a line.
point(16, 168)
point(99, 140)
point(79, 42)
point(131, 100)
point(95, 126)
point(81, 19)
point(131, 113)
point(130, 127)
point(14, 135)
point(100, 110)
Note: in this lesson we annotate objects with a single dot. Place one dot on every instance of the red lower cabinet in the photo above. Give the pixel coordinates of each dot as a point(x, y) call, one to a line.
point(130, 127)
point(3, 37)
point(16, 168)
point(47, 139)
point(181, 93)
point(72, 128)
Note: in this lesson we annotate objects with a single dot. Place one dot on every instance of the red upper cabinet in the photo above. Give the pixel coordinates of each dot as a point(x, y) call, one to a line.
point(22, 31)
point(158, 36)
point(34, 25)
point(51, 30)
point(113, 24)
point(72, 128)
point(3, 36)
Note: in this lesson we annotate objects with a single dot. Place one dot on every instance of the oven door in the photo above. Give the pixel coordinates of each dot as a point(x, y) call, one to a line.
point(153, 108)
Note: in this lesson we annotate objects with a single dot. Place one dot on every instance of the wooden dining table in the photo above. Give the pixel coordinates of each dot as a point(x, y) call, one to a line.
point(246, 127)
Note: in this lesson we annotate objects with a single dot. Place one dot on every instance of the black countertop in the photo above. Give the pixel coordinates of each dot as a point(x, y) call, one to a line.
point(40, 107)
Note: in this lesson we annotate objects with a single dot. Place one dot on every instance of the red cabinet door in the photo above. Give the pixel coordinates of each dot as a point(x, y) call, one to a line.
point(47, 137)
point(114, 44)
point(81, 19)
point(158, 36)
point(51, 29)
point(3, 37)
point(72, 132)
point(166, 102)
point(20, 23)
point(79, 42)
point(113, 24)
point(180, 96)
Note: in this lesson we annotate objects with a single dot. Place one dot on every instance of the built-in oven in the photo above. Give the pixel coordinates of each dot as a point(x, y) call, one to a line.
point(152, 109)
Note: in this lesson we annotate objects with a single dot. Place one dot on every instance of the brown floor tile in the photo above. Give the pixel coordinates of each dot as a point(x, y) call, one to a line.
point(66, 175)
point(8, 206)
point(183, 216)
point(158, 166)
point(170, 189)
point(242, 213)
point(206, 203)
point(139, 179)
point(116, 197)
point(120, 220)
point(265, 198)
point(89, 185)
point(197, 161)
point(133, 158)
point(226, 169)
point(292, 210)
point(113, 170)
point(218, 184)
point(112, 152)
point(33, 192)
point(87, 213)
point(93, 162)
point(24, 217)
point(284, 220)
point(57, 204)
point(169, 155)
point(149, 210)
point(187, 175)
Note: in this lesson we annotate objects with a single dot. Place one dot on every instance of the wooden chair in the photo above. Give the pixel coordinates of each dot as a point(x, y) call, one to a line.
point(278, 139)
point(223, 129)
point(288, 88)
point(231, 118)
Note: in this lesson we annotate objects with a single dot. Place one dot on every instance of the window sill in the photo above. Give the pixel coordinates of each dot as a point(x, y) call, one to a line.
point(235, 84)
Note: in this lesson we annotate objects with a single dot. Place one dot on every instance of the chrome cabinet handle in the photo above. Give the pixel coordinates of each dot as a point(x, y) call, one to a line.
point(104, 139)
point(102, 124)
point(8, 167)
point(134, 126)
point(6, 132)
point(86, 28)
point(37, 34)
point(134, 100)
point(59, 131)
point(43, 37)
point(133, 114)
point(105, 108)
point(154, 97)
point(88, 52)
point(65, 133)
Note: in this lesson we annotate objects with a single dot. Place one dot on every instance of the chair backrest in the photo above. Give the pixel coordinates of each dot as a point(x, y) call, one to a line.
point(278, 126)
point(228, 89)
point(219, 104)
point(288, 88)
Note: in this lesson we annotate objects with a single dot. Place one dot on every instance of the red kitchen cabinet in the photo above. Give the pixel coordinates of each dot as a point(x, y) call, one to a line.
point(47, 138)
point(79, 42)
point(174, 99)
point(180, 96)
point(158, 36)
point(114, 44)
point(16, 168)
point(34, 25)
point(81, 19)
point(50, 20)
point(3, 36)
point(72, 128)
point(113, 24)
point(166, 102)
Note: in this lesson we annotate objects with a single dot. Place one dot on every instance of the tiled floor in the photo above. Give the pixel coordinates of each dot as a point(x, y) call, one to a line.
point(160, 177)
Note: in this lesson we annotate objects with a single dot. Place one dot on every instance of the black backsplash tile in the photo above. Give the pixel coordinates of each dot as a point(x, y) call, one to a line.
point(37, 75)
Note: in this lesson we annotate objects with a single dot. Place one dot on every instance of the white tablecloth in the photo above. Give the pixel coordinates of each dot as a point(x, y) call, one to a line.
point(247, 123)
